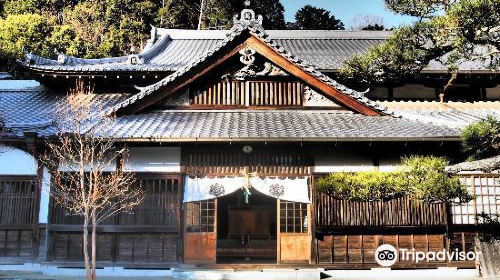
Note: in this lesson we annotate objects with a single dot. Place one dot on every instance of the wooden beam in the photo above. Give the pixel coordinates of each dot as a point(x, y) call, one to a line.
point(191, 76)
point(262, 48)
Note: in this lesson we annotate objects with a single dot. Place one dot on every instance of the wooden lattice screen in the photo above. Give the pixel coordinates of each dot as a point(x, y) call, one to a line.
point(486, 189)
point(200, 216)
point(161, 205)
point(249, 93)
point(335, 212)
point(230, 162)
point(17, 199)
point(17, 220)
point(293, 217)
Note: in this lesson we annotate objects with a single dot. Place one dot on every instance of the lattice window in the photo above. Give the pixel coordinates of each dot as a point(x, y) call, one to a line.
point(293, 217)
point(160, 207)
point(17, 199)
point(233, 162)
point(249, 93)
point(225, 93)
point(276, 94)
point(486, 189)
point(200, 216)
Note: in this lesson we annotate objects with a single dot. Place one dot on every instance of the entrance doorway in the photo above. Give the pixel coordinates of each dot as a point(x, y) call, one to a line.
point(247, 233)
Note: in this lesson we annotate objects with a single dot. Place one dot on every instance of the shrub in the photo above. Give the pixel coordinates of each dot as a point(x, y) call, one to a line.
point(420, 177)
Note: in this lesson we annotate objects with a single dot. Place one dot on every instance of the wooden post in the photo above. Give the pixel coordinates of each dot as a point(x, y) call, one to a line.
point(278, 232)
point(36, 210)
point(312, 220)
point(182, 218)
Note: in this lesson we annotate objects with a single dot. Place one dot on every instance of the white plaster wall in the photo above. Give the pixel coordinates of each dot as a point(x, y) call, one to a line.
point(352, 160)
point(338, 160)
point(14, 161)
point(44, 198)
point(157, 159)
point(73, 167)
point(414, 91)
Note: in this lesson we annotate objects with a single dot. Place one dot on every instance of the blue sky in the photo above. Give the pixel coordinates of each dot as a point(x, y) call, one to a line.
point(346, 10)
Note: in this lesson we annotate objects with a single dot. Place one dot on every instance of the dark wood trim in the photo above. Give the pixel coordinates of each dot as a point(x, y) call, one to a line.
point(194, 74)
point(262, 48)
point(36, 210)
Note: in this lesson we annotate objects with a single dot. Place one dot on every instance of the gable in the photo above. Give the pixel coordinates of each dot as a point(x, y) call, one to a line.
point(246, 39)
point(246, 81)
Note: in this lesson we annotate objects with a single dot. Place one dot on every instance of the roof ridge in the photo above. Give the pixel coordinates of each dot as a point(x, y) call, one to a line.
point(249, 21)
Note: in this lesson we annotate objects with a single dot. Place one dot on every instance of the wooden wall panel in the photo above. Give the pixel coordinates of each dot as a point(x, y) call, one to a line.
point(370, 245)
point(15, 243)
point(295, 247)
point(342, 249)
point(118, 247)
point(200, 247)
point(324, 250)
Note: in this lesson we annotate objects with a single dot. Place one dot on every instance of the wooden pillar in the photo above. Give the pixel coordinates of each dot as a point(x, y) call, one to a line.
point(35, 242)
point(312, 220)
point(182, 218)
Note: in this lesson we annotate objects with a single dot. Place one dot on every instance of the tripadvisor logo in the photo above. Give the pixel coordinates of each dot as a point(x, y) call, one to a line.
point(387, 255)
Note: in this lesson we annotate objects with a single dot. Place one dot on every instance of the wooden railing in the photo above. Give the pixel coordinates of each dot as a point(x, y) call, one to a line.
point(335, 212)
point(249, 93)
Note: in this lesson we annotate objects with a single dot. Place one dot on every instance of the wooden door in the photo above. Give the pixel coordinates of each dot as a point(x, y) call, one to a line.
point(200, 233)
point(294, 232)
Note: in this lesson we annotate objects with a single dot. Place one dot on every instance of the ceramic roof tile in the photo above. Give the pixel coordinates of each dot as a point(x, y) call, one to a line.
point(274, 125)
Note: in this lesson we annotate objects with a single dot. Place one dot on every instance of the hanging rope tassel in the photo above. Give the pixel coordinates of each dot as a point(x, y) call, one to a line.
point(247, 194)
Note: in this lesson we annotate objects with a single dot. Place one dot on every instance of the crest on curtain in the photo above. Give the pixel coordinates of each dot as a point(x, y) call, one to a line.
point(277, 190)
point(217, 190)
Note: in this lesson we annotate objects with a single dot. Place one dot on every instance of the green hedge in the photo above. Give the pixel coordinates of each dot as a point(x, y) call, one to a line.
point(420, 177)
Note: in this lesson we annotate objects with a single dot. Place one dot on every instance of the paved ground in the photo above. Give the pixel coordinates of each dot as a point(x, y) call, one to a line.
point(337, 275)
point(17, 275)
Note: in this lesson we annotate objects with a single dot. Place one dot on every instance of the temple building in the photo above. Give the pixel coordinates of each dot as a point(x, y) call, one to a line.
point(199, 109)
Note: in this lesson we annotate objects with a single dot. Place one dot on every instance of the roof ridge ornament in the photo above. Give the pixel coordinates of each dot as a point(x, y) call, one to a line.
point(248, 19)
point(61, 57)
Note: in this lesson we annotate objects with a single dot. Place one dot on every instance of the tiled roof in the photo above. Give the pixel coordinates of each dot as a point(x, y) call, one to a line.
point(487, 165)
point(326, 50)
point(254, 28)
point(273, 126)
point(452, 114)
point(174, 48)
point(33, 109)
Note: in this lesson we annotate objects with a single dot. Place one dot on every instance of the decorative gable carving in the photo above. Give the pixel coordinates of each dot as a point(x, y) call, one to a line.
point(253, 67)
point(314, 99)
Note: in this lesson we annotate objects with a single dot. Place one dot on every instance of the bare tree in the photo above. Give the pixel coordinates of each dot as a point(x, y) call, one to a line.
point(202, 9)
point(82, 159)
point(367, 22)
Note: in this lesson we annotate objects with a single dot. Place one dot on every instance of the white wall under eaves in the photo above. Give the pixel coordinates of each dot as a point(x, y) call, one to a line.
point(16, 162)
